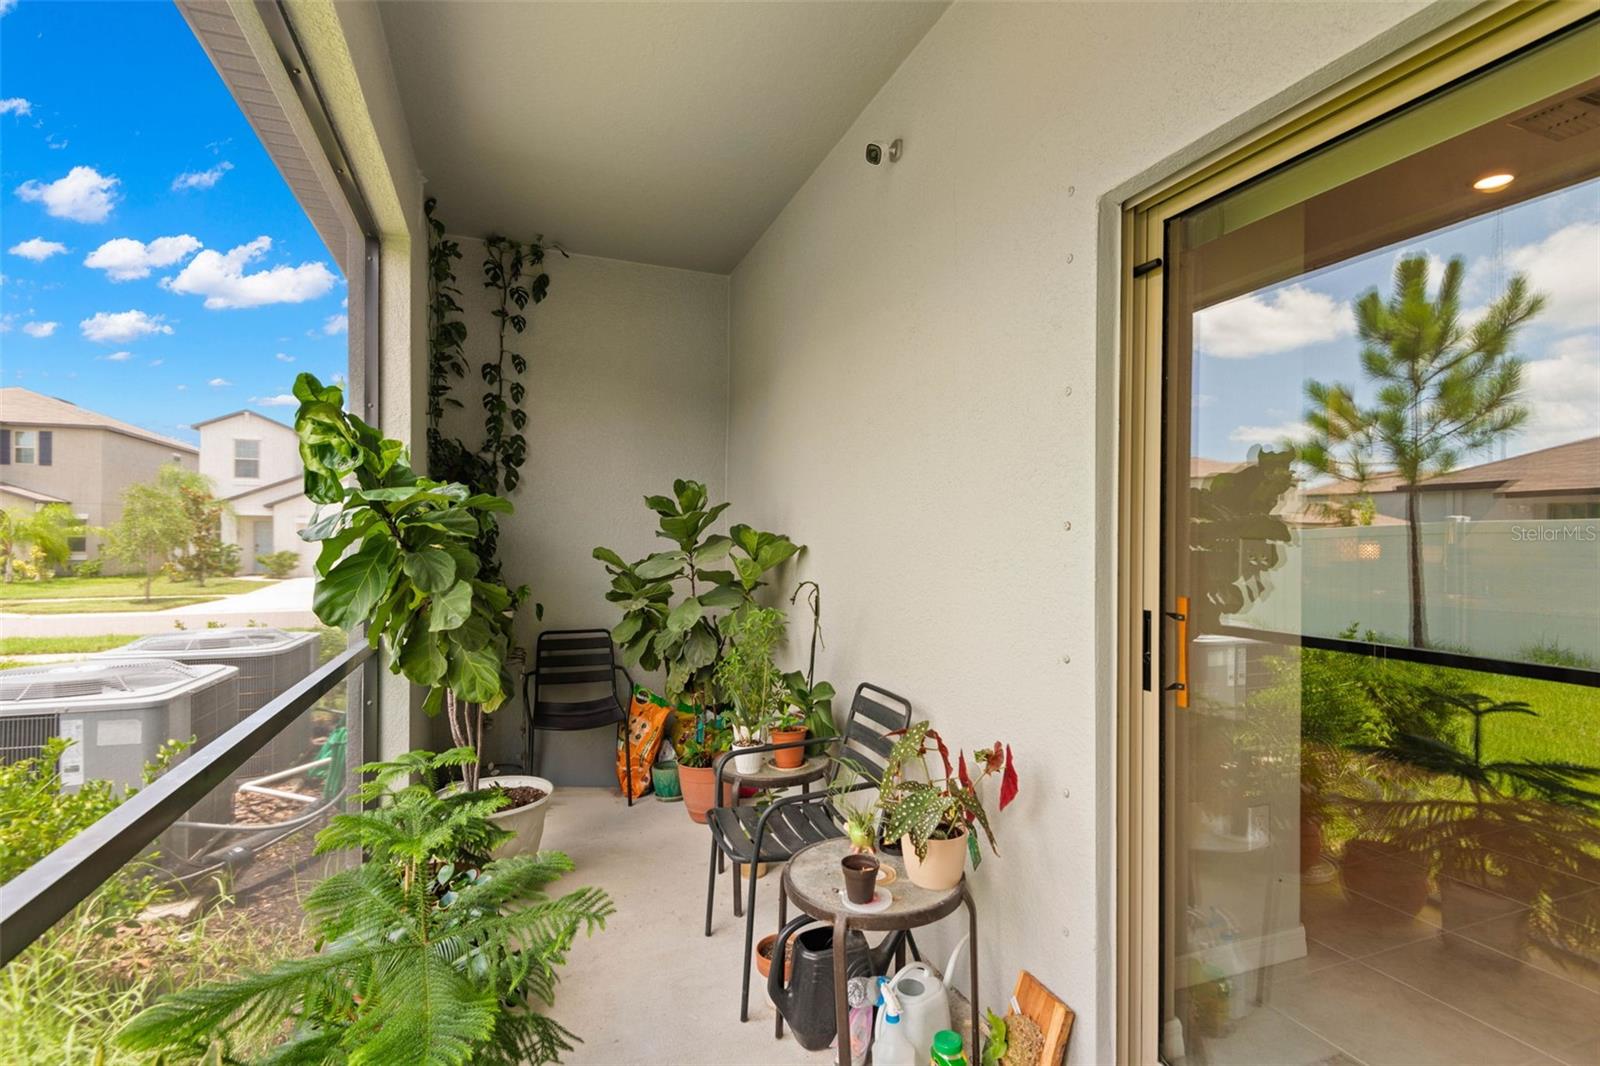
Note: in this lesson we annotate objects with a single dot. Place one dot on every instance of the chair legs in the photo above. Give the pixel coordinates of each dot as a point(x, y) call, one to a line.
point(749, 939)
point(738, 911)
point(783, 919)
point(711, 879)
point(627, 754)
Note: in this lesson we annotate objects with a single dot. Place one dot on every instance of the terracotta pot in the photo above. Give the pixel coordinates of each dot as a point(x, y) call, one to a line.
point(698, 783)
point(1385, 873)
point(942, 868)
point(788, 758)
point(764, 957)
point(1310, 843)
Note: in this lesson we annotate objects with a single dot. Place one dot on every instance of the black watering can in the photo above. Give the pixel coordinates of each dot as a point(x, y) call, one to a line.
point(807, 1004)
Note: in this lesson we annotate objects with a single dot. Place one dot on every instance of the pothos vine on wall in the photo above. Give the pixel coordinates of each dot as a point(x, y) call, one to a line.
point(508, 270)
point(495, 465)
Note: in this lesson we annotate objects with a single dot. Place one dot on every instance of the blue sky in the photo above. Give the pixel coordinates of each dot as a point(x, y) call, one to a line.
point(140, 216)
point(1254, 353)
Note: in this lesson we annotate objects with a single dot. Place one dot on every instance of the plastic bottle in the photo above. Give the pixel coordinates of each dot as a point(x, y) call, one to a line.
point(892, 1048)
point(859, 993)
point(948, 1049)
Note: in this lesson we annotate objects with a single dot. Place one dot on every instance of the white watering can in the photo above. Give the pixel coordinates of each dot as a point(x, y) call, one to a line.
point(924, 1002)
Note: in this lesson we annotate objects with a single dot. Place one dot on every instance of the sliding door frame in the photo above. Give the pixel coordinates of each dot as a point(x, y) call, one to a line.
point(1428, 65)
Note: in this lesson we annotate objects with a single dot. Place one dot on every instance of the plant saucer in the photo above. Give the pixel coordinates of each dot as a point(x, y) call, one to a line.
point(880, 901)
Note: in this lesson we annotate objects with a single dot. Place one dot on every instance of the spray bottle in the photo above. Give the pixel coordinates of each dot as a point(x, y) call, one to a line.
point(892, 1048)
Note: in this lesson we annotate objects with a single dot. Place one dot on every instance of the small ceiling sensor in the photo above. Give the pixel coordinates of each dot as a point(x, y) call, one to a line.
point(1494, 182)
point(878, 151)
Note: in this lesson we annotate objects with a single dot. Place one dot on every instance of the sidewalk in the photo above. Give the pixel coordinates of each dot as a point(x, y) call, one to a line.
point(284, 604)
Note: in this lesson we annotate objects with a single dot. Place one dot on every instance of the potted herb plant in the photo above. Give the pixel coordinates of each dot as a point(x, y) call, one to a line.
point(697, 776)
point(750, 680)
point(429, 951)
point(398, 555)
point(933, 817)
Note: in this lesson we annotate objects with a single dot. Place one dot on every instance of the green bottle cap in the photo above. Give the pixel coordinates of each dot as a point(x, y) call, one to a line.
point(947, 1045)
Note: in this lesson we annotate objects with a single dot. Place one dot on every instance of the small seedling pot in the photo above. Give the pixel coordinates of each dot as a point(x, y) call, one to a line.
point(860, 877)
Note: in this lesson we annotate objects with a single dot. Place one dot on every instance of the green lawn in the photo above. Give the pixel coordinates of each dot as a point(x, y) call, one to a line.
point(118, 587)
point(102, 606)
point(1567, 729)
point(64, 645)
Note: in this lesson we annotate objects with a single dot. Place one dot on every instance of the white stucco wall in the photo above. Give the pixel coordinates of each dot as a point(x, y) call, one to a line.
point(279, 452)
point(627, 390)
point(916, 395)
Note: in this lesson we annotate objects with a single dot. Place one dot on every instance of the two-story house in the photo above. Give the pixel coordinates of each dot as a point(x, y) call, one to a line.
point(53, 451)
point(254, 463)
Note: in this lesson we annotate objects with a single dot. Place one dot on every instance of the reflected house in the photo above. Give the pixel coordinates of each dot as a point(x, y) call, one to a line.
point(1551, 484)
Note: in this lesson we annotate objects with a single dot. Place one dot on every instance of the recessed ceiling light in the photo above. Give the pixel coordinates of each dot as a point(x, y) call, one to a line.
point(1493, 182)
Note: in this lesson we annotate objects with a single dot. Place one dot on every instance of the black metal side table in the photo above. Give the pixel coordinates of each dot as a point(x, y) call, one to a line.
point(812, 881)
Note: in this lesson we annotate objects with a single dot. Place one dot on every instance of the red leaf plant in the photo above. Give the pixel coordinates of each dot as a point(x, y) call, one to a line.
point(941, 808)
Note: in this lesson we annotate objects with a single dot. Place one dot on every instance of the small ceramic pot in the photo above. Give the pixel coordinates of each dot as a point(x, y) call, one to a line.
point(664, 781)
point(747, 762)
point(860, 877)
point(788, 758)
point(941, 870)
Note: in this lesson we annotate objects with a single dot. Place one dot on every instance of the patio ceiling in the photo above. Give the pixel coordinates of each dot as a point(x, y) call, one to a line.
point(670, 134)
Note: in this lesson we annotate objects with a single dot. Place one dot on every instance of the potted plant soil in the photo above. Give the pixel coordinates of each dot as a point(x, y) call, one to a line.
point(764, 957)
point(933, 816)
point(697, 759)
point(527, 803)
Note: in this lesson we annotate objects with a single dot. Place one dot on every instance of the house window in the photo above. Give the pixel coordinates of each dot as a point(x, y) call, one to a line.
point(1575, 510)
point(247, 458)
point(78, 543)
point(25, 446)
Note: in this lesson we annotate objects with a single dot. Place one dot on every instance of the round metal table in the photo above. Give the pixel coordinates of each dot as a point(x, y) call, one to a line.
point(771, 776)
point(812, 881)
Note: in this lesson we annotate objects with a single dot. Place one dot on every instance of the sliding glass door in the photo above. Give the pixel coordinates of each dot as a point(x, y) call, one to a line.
point(1380, 566)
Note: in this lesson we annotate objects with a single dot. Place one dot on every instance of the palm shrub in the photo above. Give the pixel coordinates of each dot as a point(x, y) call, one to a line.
point(427, 952)
point(413, 577)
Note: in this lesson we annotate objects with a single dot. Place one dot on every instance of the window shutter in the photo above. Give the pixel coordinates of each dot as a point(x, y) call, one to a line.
point(46, 439)
point(5, 447)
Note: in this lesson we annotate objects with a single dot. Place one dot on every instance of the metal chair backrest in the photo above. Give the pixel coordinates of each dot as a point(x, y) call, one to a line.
point(874, 713)
point(569, 668)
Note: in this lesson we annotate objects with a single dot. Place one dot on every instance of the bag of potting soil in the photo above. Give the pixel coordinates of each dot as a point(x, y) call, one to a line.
point(647, 719)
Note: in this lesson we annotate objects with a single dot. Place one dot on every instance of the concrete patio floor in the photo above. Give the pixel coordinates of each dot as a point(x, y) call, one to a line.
point(652, 988)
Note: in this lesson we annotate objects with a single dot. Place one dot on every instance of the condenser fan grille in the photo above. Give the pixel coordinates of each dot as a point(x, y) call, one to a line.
point(211, 640)
point(80, 680)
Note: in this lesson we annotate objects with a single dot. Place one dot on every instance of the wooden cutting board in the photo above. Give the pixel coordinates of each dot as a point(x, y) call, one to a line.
point(1051, 1015)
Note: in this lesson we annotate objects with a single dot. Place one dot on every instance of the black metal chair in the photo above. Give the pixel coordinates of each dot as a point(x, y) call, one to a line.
point(581, 666)
point(751, 835)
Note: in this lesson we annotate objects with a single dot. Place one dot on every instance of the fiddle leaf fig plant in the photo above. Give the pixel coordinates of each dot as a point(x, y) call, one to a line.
point(397, 555)
point(669, 599)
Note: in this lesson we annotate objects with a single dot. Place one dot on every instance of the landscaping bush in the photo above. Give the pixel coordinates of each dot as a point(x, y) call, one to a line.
point(279, 564)
point(1551, 652)
point(89, 568)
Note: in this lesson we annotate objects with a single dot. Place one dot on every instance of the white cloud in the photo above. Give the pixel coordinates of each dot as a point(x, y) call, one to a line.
point(283, 399)
point(1254, 325)
point(118, 357)
point(1268, 434)
point(157, 362)
point(6, 322)
point(336, 324)
point(15, 105)
point(40, 329)
point(201, 179)
point(125, 259)
point(1565, 266)
point(183, 388)
point(280, 357)
point(1562, 391)
point(37, 248)
point(219, 383)
point(6, 6)
point(84, 195)
point(116, 327)
point(222, 281)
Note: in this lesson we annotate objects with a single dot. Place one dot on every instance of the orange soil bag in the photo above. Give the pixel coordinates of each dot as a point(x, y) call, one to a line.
point(646, 726)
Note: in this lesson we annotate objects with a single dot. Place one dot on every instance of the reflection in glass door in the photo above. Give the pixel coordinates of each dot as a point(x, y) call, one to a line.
point(1381, 758)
